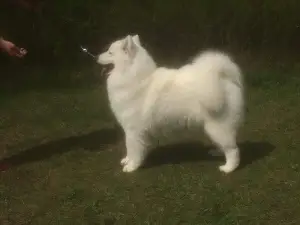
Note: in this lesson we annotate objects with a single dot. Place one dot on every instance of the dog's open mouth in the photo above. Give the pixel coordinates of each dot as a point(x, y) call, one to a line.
point(106, 70)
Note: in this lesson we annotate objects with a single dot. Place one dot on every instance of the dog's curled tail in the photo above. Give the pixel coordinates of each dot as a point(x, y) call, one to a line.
point(221, 64)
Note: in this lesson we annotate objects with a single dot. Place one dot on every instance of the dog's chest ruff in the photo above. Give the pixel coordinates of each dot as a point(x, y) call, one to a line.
point(126, 99)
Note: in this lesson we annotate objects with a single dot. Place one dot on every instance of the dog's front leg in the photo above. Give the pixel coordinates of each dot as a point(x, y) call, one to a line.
point(136, 151)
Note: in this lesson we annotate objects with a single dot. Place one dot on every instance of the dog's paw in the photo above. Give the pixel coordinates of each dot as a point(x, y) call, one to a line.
point(227, 168)
point(124, 161)
point(130, 167)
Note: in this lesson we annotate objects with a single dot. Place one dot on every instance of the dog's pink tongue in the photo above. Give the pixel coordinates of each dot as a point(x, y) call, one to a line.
point(106, 70)
point(103, 71)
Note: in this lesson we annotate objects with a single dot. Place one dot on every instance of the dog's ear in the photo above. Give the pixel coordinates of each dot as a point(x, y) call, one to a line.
point(136, 39)
point(129, 46)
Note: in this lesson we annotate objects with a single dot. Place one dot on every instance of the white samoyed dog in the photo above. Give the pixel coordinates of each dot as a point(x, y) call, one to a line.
point(148, 101)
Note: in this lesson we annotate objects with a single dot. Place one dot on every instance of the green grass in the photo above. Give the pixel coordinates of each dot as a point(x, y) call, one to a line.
point(63, 149)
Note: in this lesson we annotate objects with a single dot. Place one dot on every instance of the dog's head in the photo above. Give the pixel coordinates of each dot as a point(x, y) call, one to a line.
point(121, 52)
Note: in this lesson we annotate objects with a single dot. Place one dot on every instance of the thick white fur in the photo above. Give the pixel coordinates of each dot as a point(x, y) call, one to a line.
point(149, 101)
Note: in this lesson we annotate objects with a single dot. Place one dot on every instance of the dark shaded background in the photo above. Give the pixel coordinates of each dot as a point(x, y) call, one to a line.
point(261, 35)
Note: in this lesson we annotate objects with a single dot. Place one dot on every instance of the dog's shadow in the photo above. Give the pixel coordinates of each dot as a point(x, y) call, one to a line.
point(192, 152)
point(94, 141)
point(102, 139)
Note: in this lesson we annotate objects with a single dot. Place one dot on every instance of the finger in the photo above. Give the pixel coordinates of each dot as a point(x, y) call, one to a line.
point(15, 53)
point(12, 53)
point(14, 50)
point(19, 52)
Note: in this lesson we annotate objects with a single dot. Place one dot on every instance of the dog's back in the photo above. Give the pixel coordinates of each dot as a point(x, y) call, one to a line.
point(200, 88)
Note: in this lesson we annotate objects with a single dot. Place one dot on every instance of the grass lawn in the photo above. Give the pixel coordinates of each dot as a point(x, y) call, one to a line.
point(60, 152)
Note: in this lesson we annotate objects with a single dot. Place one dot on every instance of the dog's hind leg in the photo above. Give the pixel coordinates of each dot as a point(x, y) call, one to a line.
point(224, 138)
point(136, 151)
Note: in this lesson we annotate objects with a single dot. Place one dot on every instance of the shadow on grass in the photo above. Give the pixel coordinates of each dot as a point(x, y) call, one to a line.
point(94, 141)
point(181, 153)
point(100, 140)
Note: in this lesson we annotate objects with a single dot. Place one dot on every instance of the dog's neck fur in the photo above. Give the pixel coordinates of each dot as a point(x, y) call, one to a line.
point(129, 85)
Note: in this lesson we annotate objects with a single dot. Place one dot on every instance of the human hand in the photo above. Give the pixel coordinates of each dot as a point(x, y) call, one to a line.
point(12, 49)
